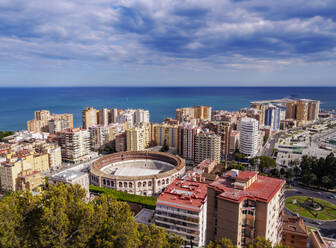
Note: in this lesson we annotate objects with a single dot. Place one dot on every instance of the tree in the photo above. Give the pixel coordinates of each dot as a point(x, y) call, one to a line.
point(4, 134)
point(223, 243)
point(164, 147)
point(61, 218)
point(264, 162)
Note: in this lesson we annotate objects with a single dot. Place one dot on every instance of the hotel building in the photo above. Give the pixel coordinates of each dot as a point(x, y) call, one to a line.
point(182, 209)
point(244, 205)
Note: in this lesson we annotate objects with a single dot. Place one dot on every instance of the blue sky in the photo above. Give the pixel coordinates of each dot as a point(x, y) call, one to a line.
point(167, 42)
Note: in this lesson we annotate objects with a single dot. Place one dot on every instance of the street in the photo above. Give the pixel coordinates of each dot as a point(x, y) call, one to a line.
point(327, 228)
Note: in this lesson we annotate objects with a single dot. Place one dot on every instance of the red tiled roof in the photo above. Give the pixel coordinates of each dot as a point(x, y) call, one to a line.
point(246, 175)
point(184, 194)
point(263, 189)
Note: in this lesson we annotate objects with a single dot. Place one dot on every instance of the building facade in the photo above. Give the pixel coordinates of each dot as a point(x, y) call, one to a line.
point(207, 145)
point(244, 205)
point(248, 140)
point(74, 144)
point(182, 209)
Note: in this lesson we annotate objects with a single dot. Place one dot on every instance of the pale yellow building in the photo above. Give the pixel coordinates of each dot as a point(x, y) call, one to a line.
point(197, 112)
point(138, 138)
point(19, 162)
point(89, 117)
point(165, 132)
point(207, 145)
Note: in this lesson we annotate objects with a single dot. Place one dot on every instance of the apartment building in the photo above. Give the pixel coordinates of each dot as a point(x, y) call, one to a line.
point(74, 144)
point(234, 141)
point(138, 138)
point(243, 205)
point(207, 145)
point(44, 122)
point(54, 153)
point(186, 137)
point(20, 162)
point(295, 232)
point(89, 117)
point(248, 140)
point(303, 110)
point(198, 112)
point(165, 132)
point(272, 117)
point(182, 209)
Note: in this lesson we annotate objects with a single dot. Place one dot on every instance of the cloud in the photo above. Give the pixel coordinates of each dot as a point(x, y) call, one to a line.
point(205, 34)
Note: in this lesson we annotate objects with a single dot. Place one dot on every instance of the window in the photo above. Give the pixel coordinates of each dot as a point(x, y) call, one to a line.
point(139, 184)
point(149, 183)
point(163, 182)
point(130, 185)
point(120, 184)
point(167, 181)
point(125, 184)
point(144, 184)
point(104, 182)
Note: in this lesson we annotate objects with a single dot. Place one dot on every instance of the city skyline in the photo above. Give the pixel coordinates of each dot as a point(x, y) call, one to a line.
point(167, 43)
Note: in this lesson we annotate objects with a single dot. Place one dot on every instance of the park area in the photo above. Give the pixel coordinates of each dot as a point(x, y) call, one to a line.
point(312, 208)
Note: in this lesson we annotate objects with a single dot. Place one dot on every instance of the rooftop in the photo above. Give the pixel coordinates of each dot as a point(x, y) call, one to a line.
point(294, 224)
point(184, 194)
point(68, 175)
point(262, 188)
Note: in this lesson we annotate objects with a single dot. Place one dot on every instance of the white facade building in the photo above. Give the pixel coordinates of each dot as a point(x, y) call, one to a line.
point(182, 209)
point(248, 141)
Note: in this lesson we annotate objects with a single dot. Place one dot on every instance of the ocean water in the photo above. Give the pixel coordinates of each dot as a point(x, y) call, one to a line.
point(17, 105)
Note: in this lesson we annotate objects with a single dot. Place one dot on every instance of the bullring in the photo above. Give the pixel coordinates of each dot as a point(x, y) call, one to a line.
point(137, 172)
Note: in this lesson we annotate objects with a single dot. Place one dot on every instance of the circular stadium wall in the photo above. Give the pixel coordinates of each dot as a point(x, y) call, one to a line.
point(138, 172)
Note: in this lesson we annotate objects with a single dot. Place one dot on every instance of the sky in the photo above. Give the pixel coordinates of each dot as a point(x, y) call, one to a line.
point(168, 43)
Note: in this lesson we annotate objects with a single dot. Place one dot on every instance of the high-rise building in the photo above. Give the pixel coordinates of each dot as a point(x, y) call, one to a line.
point(272, 117)
point(186, 137)
point(74, 144)
point(121, 142)
point(207, 145)
point(244, 205)
point(100, 136)
point(103, 117)
point(165, 132)
point(234, 141)
point(42, 115)
point(138, 138)
point(303, 110)
point(198, 112)
point(313, 110)
point(126, 116)
point(141, 116)
point(224, 130)
point(59, 122)
point(182, 209)
point(89, 117)
point(202, 113)
point(248, 140)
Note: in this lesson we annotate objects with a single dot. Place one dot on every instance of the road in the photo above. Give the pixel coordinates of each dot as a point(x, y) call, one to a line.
point(268, 148)
point(327, 228)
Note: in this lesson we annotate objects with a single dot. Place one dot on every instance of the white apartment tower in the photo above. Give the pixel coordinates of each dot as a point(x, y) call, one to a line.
point(248, 142)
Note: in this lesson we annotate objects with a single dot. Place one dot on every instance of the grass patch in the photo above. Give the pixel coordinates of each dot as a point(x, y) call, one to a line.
point(328, 212)
point(146, 201)
point(310, 228)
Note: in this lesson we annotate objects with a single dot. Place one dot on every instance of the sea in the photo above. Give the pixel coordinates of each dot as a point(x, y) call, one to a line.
point(17, 105)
